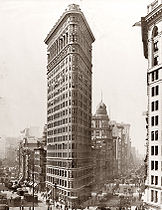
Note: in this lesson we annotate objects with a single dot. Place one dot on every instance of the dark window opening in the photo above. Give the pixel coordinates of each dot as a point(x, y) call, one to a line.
point(156, 165)
point(152, 121)
point(155, 46)
point(152, 165)
point(152, 150)
point(156, 180)
point(156, 120)
point(156, 135)
point(156, 150)
point(156, 61)
point(152, 135)
point(155, 31)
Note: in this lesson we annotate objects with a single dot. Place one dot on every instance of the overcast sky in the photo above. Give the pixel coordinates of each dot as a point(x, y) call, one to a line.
point(119, 67)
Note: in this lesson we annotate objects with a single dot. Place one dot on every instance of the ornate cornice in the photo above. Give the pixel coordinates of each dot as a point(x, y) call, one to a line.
point(154, 14)
point(72, 9)
point(150, 19)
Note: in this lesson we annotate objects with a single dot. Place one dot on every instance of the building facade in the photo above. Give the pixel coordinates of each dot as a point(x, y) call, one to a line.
point(40, 168)
point(103, 147)
point(31, 158)
point(120, 133)
point(152, 42)
point(69, 78)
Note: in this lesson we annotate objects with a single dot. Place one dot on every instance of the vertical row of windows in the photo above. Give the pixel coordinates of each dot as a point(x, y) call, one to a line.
point(155, 46)
point(154, 107)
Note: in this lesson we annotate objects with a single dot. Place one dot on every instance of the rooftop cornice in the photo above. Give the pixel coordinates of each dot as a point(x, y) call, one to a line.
point(72, 9)
point(153, 13)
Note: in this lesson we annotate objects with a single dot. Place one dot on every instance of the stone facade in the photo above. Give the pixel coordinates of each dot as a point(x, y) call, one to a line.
point(69, 76)
point(152, 39)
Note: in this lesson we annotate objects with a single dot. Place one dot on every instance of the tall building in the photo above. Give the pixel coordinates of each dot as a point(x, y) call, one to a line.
point(152, 43)
point(103, 147)
point(69, 78)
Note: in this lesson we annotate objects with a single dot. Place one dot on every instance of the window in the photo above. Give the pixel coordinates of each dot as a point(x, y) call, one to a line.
point(156, 60)
point(152, 150)
point(152, 179)
point(156, 120)
point(156, 180)
point(152, 135)
point(152, 91)
point(156, 165)
point(154, 32)
point(152, 74)
point(152, 195)
point(156, 150)
point(156, 196)
point(155, 91)
point(156, 105)
point(156, 74)
point(152, 165)
point(152, 106)
point(152, 121)
point(156, 135)
point(155, 46)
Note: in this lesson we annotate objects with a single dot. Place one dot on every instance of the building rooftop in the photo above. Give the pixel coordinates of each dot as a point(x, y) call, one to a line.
point(153, 5)
point(101, 109)
point(72, 8)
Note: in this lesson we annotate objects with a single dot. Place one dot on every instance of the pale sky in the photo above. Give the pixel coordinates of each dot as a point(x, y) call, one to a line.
point(119, 67)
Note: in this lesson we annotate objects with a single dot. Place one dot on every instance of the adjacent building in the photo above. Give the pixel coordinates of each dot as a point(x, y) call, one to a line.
point(31, 158)
point(40, 168)
point(120, 133)
point(69, 78)
point(103, 147)
point(111, 148)
point(152, 43)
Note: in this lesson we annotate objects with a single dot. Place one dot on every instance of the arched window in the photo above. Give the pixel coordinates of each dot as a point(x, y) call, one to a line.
point(155, 31)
